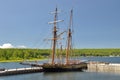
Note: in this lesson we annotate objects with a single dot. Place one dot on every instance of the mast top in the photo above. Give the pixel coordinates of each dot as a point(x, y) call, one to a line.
point(55, 19)
point(71, 17)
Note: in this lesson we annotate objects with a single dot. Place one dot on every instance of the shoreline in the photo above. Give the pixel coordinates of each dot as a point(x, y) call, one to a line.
point(4, 61)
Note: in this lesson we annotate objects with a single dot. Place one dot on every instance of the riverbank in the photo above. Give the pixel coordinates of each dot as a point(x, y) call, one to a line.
point(17, 55)
point(2, 61)
point(8, 54)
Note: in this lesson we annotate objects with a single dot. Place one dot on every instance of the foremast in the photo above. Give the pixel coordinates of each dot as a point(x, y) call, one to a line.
point(55, 36)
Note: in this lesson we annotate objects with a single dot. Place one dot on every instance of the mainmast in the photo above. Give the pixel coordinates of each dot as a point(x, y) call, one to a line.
point(69, 39)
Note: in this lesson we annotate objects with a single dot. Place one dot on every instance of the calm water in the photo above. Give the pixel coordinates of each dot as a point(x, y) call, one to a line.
point(65, 75)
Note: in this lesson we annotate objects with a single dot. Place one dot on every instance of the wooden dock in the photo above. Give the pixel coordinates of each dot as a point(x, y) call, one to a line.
point(31, 64)
point(103, 67)
point(20, 71)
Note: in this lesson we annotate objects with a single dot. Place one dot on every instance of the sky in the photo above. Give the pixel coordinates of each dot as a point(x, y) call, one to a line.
point(24, 23)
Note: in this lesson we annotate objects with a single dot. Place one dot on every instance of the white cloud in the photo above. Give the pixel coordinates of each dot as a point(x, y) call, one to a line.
point(6, 45)
point(9, 45)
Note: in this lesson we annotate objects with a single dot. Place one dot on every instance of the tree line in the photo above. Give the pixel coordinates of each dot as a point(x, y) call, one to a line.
point(20, 54)
point(97, 52)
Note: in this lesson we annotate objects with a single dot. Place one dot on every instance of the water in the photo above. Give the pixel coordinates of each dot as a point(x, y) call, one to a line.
point(64, 75)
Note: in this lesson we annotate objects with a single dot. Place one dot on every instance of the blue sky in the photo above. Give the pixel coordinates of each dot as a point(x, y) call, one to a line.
point(24, 23)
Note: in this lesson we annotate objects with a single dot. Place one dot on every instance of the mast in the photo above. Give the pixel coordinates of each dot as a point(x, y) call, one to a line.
point(55, 36)
point(69, 39)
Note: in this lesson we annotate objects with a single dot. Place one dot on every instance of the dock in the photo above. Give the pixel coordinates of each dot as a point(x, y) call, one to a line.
point(103, 67)
point(31, 64)
point(20, 71)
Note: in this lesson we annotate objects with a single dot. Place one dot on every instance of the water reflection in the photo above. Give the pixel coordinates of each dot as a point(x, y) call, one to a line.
point(61, 76)
point(64, 76)
point(80, 76)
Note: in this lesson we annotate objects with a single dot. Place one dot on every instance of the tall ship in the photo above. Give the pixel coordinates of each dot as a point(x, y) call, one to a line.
point(67, 64)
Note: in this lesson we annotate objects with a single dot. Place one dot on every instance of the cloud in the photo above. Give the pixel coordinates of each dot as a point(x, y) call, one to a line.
point(6, 45)
point(9, 45)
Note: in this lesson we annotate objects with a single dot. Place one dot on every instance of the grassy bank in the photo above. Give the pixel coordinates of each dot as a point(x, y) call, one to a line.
point(20, 60)
point(22, 54)
point(15, 55)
